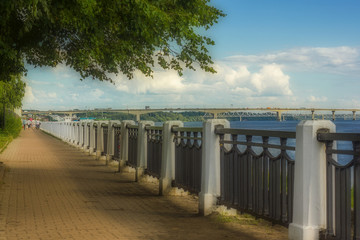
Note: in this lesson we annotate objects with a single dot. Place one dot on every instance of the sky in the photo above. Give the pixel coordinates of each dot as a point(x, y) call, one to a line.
point(277, 53)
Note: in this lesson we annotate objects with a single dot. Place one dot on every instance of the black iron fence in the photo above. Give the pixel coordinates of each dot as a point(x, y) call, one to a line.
point(154, 150)
point(133, 131)
point(117, 135)
point(188, 156)
point(89, 138)
point(257, 173)
point(343, 185)
point(83, 134)
point(96, 136)
point(105, 137)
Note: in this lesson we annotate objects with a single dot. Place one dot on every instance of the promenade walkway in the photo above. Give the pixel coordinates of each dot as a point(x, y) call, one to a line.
point(54, 191)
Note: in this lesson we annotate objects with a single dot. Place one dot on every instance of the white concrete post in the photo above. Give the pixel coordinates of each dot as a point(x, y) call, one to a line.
point(81, 129)
point(167, 173)
point(87, 136)
point(100, 142)
point(124, 142)
point(210, 176)
point(141, 161)
point(309, 207)
point(92, 138)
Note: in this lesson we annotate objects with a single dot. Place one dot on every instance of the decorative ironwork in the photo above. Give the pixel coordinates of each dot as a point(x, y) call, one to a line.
point(117, 135)
point(96, 136)
point(89, 138)
point(133, 131)
point(343, 198)
point(105, 137)
point(253, 180)
point(188, 156)
point(154, 150)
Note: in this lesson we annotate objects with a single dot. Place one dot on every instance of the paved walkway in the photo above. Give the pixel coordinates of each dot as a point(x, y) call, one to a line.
point(54, 191)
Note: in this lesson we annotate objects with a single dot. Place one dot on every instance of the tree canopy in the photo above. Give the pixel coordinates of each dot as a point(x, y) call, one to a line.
point(101, 37)
point(12, 92)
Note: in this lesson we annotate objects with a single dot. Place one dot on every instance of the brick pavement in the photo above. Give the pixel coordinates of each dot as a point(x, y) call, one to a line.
point(52, 190)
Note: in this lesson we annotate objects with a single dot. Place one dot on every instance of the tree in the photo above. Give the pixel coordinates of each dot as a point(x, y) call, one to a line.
point(11, 94)
point(101, 37)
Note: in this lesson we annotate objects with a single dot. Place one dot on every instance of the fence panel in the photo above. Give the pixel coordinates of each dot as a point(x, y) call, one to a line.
point(96, 136)
point(188, 154)
point(105, 137)
point(343, 185)
point(117, 136)
point(154, 150)
point(133, 131)
point(257, 173)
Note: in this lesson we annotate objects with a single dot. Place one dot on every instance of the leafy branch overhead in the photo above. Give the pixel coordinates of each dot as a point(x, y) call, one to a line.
point(98, 37)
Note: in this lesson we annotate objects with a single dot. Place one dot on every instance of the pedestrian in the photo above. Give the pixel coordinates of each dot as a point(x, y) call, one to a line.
point(29, 124)
point(24, 123)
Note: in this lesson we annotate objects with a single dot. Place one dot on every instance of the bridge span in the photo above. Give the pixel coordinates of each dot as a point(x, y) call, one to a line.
point(215, 112)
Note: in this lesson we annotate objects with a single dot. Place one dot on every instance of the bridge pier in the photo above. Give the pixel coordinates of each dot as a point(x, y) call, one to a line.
point(354, 115)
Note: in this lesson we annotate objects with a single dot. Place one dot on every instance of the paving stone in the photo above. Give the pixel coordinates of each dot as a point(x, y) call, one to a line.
point(54, 191)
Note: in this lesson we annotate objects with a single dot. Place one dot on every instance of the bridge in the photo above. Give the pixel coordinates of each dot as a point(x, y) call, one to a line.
point(214, 112)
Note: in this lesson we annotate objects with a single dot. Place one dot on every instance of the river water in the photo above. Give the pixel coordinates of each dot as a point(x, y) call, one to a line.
point(342, 126)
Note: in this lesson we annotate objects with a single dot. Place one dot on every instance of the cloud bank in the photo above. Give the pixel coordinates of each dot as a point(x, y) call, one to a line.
point(272, 79)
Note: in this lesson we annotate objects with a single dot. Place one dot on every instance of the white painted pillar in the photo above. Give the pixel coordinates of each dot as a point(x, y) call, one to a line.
point(100, 142)
point(92, 137)
point(86, 137)
point(141, 161)
point(81, 129)
point(124, 142)
point(210, 176)
point(309, 207)
point(167, 173)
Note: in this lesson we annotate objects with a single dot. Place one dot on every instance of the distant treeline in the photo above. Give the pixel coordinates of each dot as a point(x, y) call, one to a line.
point(156, 117)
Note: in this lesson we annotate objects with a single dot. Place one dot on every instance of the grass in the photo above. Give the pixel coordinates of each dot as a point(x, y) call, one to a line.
point(12, 129)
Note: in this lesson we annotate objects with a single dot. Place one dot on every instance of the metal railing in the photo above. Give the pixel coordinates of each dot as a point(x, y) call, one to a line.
point(89, 136)
point(133, 131)
point(343, 186)
point(154, 150)
point(117, 135)
point(105, 137)
point(257, 179)
point(188, 156)
point(96, 136)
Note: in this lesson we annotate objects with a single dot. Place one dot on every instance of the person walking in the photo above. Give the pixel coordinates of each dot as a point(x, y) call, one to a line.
point(24, 123)
point(29, 123)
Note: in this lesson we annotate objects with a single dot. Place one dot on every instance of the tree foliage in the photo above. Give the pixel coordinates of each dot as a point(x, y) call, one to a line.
point(12, 92)
point(99, 37)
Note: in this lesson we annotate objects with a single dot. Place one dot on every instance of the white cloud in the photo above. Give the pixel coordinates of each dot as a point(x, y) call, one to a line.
point(162, 82)
point(52, 95)
point(317, 99)
point(270, 80)
point(340, 60)
point(29, 96)
point(97, 93)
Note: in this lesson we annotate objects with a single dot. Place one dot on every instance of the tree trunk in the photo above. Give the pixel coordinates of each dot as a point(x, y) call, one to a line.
point(3, 117)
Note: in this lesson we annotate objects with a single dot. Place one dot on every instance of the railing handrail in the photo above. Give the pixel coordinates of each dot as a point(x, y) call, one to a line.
point(148, 127)
point(323, 137)
point(253, 132)
point(104, 124)
point(116, 125)
point(132, 126)
point(187, 129)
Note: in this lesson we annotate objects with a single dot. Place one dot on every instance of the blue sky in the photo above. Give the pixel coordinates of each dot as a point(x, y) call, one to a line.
point(267, 54)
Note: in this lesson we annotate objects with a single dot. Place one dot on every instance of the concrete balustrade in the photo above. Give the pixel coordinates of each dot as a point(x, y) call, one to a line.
point(309, 205)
